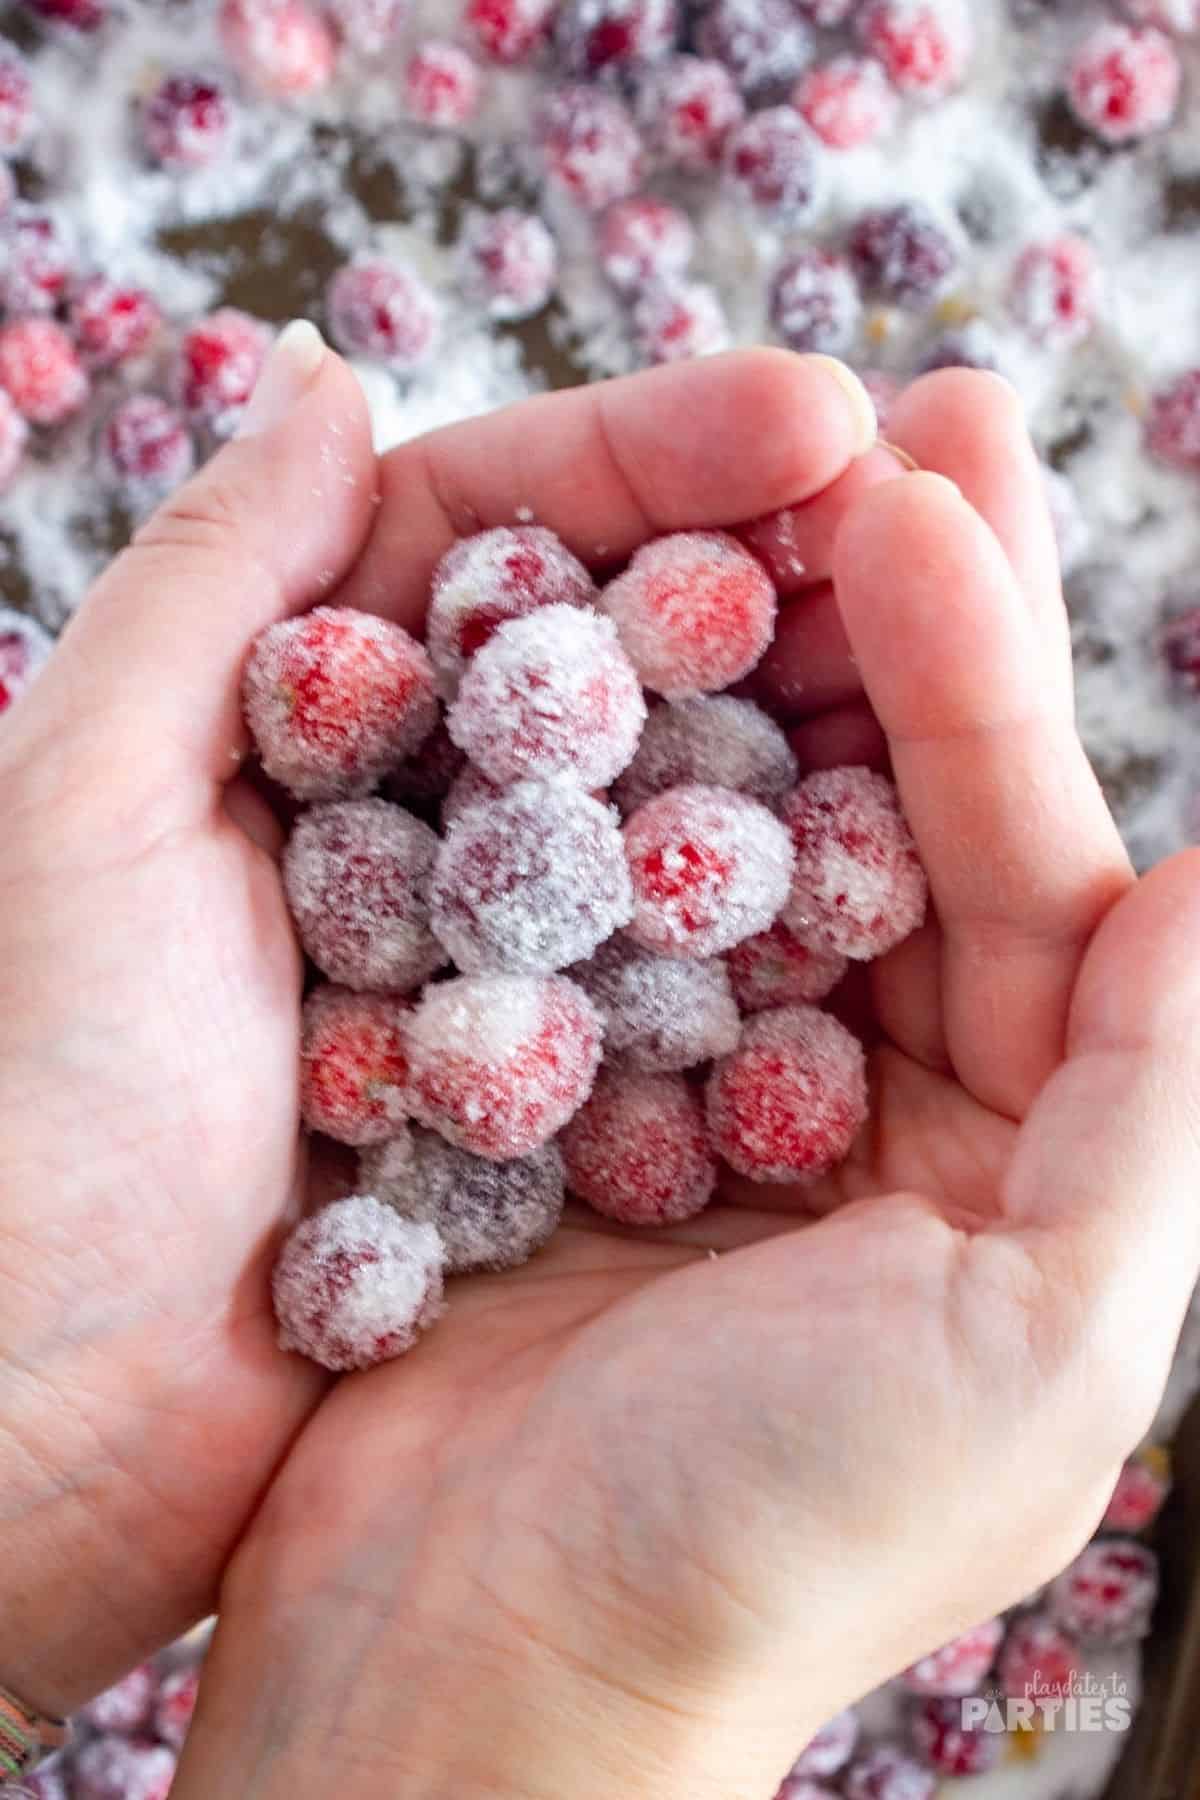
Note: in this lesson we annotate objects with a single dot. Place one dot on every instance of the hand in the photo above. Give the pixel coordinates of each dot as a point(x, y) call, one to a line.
point(150, 981)
point(638, 1517)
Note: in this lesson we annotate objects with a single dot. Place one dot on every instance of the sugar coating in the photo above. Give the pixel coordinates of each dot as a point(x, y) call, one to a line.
point(484, 580)
point(946, 1742)
point(357, 877)
point(661, 1013)
point(501, 1062)
point(687, 106)
point(1107, 1594)
point(887, 1773)
point(489, 1215)
point(216, 366)
point(859, 887)
point(673, 320)
point(552, 694)
point(788, 1104)
point(384, 312)
point(530, 880)
point(958, 1667)
point(510, 30)
point(128, 1706)
point(40, 371)
point(282, 47)
point(765, 43)
point(715, 741)
point(924, 45)
point(176, 1705)
point(1039, 1660)
point(695, 612)
point(117, 1768)
point(590, 148)
point(1138, 1497)
point(846, 101)
point(710, 867)
point(643, 240)
point(443, 84)
point(901, 254)
point(594, 36)
point(335, 699)
point(1124, 82)
point(356, 1284)
point(831, 1748)
point(145, 450)
point(814, 302)
point(509, 262)
point(776, 969)
point(468, 788)
point(1053, 294)
point(25, 648)
point(47, 1783)
point(638, 1150)
point(771, 164)
point(354, 1065)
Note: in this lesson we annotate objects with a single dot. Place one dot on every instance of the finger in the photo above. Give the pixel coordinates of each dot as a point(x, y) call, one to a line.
point(267, 527)
point(809, 666)
point(705, 443)
point(796, 542)
point(1022, 854)
point(252, 815)
point(847, 735)
point(1107, 1172)
point(970, 425)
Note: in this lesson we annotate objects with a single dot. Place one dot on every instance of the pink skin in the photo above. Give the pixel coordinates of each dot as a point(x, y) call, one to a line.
point(595, 1552)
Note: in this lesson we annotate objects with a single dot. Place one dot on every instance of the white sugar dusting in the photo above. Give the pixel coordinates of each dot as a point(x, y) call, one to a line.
point(489, 1215)
point(714, 740)
point(660, 1013)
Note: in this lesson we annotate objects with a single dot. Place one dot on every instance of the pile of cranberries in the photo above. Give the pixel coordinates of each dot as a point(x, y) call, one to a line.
point(594, 965)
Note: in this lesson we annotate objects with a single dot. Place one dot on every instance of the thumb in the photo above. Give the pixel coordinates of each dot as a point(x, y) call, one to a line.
point(271, 524)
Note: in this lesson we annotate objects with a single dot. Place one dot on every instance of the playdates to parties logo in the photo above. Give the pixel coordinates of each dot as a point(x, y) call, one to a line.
point(1087, 1703)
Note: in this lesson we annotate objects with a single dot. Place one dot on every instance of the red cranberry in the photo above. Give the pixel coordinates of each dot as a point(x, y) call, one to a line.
point(901, 254)
point(1039, 1661)
point(886, 1773)
point(281, 47)
point(510, 30)
point(41, 372)
point(589, 145)
point(815, 303)
point(763, 43)
point(36, 268)
point(442, 84)
point(79, 15)
point(1124, 82)
point(382, 311)
point(510, 262)
point(688, 106)
point(1179, 16)
point(770, 162)
point(146, 449)
point(924, 45)
point(186, 122)
point(368, 26)
point(642, 240)
point(594, 36)
point(846, 102)
point(942, 1738)
point(1052, 295)
point(16, 100)
point(111, 323)
point(831, 1748)
point(1181, 646)
point(678, 319)
point(1173, 424)
point(217, 365)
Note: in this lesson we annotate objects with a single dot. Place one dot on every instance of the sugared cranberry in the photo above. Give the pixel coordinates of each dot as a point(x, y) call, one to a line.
point(510, 30)
point(16, 100)
point(14, 434)
point(661, 1013)
point(958, 1667)
point(1107, 1595)
point(638, 1150)
point(489, 1215)
point(886, 1773)
point(368, 27)
point(1173, 423)
point(594, 36)
point(354, 1065)
point(35, 263)
point(677, 319)
point(78, 15)
point(973, 345)
point(826, 13)
point(175, 1706)
point(281, 47)
point(776, 969)
point(643, 240)
point(943, 1739)
point(41, 372)
point(901, 254)
point(509, 262)
point(24, 649)
point(687, 107)
point(111, 323)
point(186, 122)
point(483, 580)
point(1039, 1660)
point(771, 163)
point(1124, 82)
point(217, 365)
point(589, 145)
point(442, 84)
point(716, 740)
point(1181, 646)
point(789, 1102)
point(859, 887)
point(695, 612)
point(1052, 295)
point(126, 1707)
point(763, 43)
point(1179, 16)
point(831, 1749)
point(925, 45)
point(815, 302)
point(846, 102)
point(146, 449)
point(385, 312)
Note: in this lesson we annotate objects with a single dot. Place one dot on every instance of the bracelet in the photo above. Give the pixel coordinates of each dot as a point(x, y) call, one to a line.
point(26, 1737)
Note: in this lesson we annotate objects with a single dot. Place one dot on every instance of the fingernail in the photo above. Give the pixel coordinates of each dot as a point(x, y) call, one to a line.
point(286, 377)
point(862, 407)
point(908, 463)
point(932, 479)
